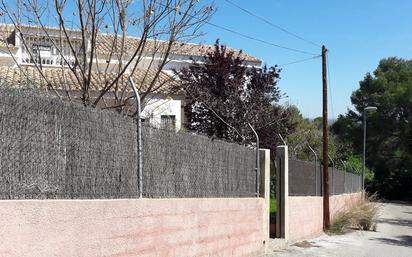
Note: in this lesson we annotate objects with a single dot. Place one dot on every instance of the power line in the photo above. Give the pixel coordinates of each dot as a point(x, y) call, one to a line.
point(247, 36)
point(272, 24)
point(299, 61)
point(259, 40)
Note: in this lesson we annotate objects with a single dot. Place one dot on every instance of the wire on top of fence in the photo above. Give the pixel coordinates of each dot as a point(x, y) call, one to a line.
point(305, 178)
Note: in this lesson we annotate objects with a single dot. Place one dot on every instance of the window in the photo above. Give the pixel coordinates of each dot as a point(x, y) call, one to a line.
point(48, 51)
point(145, 121)
point(168, 122)
point(42, 50)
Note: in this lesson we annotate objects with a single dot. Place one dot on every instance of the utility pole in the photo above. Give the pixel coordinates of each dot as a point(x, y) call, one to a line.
point(326, 214)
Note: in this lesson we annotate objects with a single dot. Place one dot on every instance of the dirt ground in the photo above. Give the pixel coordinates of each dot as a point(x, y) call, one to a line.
point(392, 239)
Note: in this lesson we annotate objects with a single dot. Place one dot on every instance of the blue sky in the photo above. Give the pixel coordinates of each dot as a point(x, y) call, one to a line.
point(357, 33)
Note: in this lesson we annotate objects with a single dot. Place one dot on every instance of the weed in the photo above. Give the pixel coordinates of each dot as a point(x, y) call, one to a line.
point(361, 215)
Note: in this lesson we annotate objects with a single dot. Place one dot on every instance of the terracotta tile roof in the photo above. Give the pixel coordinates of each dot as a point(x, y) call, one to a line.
point(17, 77)
point(105, 44)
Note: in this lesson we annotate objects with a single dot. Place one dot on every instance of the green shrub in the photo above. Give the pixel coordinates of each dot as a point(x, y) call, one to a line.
point(354, 165)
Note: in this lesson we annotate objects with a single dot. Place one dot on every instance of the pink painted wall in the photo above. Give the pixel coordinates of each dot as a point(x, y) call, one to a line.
point(120, 228)
point(306, 213)
point(305, 216)
point(339, 202)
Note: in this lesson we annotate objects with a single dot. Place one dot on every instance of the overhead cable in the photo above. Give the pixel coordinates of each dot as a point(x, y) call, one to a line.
point(272, 24)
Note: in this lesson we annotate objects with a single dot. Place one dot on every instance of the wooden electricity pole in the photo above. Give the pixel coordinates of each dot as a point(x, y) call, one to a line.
point(326, 215)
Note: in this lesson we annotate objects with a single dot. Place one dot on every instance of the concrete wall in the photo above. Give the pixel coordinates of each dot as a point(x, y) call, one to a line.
point(306, 213)
point(138, 227)
point(305, 216)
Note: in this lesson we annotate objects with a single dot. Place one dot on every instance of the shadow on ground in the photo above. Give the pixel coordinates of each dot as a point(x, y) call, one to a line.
point(399, 203)
point(405, 240)
point(397, 222)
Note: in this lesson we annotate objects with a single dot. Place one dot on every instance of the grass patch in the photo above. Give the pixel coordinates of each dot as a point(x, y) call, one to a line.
point(273, 206)
point(272, 210)
point(361, 214)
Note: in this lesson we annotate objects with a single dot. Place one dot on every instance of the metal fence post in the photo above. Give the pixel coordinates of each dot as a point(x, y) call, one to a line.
point(333, 175)
point(320, 179)
point(344, 177)
point(257, 162)
point(139, 137)
point(351, 183)
point(359, 178)
point(344, 181)
point(316, 169)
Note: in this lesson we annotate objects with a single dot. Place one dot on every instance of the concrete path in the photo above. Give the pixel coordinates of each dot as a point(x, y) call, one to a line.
point(392, 239)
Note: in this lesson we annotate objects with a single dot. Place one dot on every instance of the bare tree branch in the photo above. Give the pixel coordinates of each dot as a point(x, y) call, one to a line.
point(101, 63)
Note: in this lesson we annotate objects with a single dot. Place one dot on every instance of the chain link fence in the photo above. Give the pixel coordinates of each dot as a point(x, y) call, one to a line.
point(305, 179)
point(50, 148)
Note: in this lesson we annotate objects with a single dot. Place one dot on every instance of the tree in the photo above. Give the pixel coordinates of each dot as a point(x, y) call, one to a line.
point(308, 134)
point(224, 97)
point(76, 30)
point(389, 138)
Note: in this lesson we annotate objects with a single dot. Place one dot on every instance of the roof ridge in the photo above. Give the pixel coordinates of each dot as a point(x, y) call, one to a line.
point(247, 56)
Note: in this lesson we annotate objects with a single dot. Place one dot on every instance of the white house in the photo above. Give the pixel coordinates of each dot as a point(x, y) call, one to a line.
point(161, 108)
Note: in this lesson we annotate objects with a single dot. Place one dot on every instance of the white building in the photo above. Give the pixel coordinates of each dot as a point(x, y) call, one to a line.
point(161, 108)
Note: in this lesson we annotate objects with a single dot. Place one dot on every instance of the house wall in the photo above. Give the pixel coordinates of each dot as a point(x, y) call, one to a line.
point(178, 62)
point(135, 227)
point(156, 106)
point(306, 213)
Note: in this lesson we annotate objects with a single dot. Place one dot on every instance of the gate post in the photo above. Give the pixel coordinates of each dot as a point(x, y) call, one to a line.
point(282, 192)
point(265, 191)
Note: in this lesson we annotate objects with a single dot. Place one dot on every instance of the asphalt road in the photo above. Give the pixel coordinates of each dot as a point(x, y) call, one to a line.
point(392, 239)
